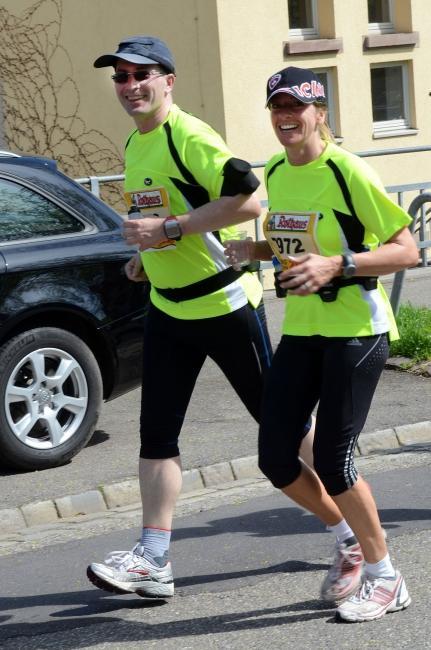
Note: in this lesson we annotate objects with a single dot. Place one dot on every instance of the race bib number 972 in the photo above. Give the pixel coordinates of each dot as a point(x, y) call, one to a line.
point(291, 233)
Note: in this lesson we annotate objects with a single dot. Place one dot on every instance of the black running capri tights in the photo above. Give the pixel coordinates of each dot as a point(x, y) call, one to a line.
point(341, 375)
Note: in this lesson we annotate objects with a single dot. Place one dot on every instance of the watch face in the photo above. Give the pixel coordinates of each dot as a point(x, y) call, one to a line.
point(172, 229)
point(349, 267)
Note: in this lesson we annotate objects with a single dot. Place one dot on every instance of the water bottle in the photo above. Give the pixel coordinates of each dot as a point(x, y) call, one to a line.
point(280, 292)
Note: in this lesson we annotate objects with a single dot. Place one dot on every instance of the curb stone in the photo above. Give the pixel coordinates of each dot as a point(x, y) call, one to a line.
point(405, 364)
point(127, 492)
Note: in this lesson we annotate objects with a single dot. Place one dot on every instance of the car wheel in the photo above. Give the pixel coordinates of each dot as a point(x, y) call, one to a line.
point(50, 398)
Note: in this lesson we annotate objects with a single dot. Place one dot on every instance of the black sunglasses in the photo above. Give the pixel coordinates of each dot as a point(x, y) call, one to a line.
point(293, 105)
point(122, 77)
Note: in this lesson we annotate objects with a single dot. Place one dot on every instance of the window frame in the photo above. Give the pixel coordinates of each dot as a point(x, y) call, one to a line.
point(306, 32)
point(401, 125)
point(386, 27)
point(87, 228)
point(329, 87)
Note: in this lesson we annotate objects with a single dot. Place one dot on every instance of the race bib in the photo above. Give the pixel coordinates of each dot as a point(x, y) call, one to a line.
point(152, 202)
point(290, 234)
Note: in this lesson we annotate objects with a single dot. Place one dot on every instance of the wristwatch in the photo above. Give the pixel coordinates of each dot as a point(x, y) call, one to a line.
point(172, 228)
point(348, 268)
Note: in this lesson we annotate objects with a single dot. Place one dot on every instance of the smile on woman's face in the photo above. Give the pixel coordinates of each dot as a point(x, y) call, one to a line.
point(296, 125)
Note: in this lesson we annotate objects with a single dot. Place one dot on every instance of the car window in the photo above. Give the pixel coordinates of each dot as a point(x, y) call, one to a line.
point(24, 214)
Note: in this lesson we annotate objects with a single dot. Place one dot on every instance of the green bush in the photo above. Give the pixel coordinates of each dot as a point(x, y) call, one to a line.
point(414, 325)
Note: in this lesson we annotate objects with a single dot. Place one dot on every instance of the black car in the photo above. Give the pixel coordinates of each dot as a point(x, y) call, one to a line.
point(70, 321)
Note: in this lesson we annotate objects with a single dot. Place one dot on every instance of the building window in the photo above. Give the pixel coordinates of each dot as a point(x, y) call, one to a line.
point(380, 16)
point(303, 18)
point(389, 95)
point(326, 78)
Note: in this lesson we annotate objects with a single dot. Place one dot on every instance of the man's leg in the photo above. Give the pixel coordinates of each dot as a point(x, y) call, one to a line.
point(239, 344)
point(160, 481)
point(169, 375)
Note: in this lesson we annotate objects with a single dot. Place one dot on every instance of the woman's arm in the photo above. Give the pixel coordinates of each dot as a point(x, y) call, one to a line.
point(399, 252)
point(310, 272)
point(239, 250)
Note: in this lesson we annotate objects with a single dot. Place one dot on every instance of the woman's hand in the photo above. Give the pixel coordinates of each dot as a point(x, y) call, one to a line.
point(239, 251)
point(308, 273)
point(134, 269)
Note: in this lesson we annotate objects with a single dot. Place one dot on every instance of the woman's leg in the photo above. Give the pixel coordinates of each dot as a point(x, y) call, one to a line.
point(306, 448)
point(352, 368)
point(308, 492)
point(290, 394)
point(359, 509)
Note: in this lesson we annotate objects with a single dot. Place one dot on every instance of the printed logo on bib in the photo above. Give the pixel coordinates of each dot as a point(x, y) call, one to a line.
point(152, 203)
point(291, 233)
point(148, 200)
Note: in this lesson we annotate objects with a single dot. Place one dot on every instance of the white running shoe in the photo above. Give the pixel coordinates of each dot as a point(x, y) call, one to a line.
point(374, 598)
point(345, 575)
point(128, 572)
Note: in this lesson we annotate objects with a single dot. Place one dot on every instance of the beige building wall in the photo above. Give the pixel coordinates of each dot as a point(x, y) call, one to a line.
point(252, 34)
point(50, 84)
point(225, 51)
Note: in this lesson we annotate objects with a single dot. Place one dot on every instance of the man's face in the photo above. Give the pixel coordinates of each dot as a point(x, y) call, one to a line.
point(143, 99)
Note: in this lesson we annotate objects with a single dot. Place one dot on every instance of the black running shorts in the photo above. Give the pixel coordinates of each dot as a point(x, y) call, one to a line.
point(173, 355)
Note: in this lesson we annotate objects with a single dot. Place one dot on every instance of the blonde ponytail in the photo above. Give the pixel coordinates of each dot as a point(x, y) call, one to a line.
point(324, 129)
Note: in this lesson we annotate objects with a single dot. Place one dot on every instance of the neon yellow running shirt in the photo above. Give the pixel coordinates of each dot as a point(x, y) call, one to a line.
point(154, 182)
point(313, 188)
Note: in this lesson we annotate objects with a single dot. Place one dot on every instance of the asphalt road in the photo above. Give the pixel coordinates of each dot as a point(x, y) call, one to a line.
point(217, 427)
point(248, 564)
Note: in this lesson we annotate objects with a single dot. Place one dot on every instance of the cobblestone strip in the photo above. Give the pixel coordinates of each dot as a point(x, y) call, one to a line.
point(127, 492)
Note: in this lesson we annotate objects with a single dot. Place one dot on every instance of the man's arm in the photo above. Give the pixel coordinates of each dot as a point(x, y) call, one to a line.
point(134, 269)
point(225, 211)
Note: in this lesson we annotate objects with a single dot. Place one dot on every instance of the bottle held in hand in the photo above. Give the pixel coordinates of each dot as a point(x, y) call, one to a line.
point(287, 263)
point(134, 212)
point(280, 292)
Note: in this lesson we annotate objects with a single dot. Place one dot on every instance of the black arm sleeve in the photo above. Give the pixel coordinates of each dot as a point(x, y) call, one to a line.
point(238, 178)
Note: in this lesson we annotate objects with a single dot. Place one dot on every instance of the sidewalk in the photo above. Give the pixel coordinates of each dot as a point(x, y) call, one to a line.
point(126, 492)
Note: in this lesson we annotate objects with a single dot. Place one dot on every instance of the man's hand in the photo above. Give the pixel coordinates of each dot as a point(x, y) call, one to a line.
point(134, 269)
point(145, 232)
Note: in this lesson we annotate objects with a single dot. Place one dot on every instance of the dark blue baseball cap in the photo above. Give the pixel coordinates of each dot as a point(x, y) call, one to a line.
point(301, 83)
point(139, 49)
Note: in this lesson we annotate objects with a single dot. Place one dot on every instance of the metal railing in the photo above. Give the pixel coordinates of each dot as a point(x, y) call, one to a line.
point(416, 205)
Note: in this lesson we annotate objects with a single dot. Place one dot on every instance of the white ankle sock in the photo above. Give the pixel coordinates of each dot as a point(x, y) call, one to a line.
point(342, 531)
point(156, 545)
point(381, 569)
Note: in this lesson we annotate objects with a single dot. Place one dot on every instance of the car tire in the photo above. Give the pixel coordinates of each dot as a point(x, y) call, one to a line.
point(50, 398)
